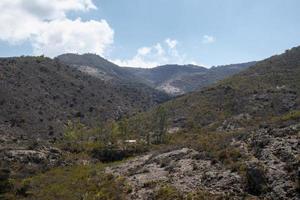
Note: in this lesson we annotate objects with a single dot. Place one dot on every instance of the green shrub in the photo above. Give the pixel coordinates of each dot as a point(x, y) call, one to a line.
point(168, 192)
point(77, 182)
point(293, 115)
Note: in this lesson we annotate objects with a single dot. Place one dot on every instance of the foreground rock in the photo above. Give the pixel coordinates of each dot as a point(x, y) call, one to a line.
point(272, 169)
point(26, 162)
point(183, 169)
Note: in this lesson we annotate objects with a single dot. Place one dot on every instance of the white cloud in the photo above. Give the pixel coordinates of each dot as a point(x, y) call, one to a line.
point(171, 43)
point(46, 26)
point(67, 36)
point(144, 51)
point(155, 55)
point(207, 39)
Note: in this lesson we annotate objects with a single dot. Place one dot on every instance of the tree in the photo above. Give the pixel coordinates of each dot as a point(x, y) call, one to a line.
point(74, 136)
point(124, 129)
point(160, 125)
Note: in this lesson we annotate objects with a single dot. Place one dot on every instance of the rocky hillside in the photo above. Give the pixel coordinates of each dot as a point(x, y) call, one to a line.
point(97, 66)
point(258, 164)
point(235, 139)
point(180, 79)
point(269, 88)
point(172, 79)
point(39, 95)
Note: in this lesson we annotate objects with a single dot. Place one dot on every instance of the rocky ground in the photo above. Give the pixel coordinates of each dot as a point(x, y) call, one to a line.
point(184, 169)
point(272, 168)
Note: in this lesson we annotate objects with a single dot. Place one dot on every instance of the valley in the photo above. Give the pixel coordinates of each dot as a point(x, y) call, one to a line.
point(63, 127)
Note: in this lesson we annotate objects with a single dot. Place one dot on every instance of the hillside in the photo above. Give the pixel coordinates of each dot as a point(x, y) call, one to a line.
point(39, 95)
point(171, 79)
point(269, 88)
point(236, 139)
point(97, 66)
point(180, 79)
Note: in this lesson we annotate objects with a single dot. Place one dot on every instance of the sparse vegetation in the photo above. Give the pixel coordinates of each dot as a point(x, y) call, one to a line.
point(76, 182)
point(108, 142)
point(168, 192)
point(293, 115)
point(218, 125)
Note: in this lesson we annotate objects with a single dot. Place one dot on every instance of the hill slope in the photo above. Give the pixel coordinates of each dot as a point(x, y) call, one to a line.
point(97, 66)
point(180, 79)
point(38, 95)
point(269, 88)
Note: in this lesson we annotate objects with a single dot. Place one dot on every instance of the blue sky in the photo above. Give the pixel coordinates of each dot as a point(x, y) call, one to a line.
point(145, 33)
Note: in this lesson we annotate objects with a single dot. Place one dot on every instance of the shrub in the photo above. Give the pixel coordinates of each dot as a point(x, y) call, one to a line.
point(168, 192)
point(76, 182)
point(294, 115)
point(4, 181)
point(256, 180)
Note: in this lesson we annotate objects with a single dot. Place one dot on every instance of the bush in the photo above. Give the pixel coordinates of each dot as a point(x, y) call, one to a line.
point(168, 193)
point(110, 155)
point(116, 153)
point(294, 115)
point(4, 181)
point(256, 180)
point(76, 182)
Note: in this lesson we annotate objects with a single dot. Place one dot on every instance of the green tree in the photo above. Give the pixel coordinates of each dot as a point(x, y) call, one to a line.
point(75, 135)
point(160, 125)
point(124, 129)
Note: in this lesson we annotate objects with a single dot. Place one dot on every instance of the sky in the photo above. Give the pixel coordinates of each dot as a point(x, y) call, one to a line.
point(148, 33)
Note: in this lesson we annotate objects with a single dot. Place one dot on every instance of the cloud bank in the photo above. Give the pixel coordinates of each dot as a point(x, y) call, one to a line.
point(46, 26)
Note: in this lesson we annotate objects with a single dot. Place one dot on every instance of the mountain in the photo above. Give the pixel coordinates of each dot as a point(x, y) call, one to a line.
point(39, 95)
point(180, 79)
point(97, 66)
point(269, 88)
point(235, 139)
point(171, 79)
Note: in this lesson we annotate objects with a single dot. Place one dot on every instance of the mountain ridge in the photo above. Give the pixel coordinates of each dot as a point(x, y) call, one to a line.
point(172, 79)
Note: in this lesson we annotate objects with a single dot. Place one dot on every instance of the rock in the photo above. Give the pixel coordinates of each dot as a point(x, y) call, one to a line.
point(31, 161)
point(271, 157)
point(183, 168)
point(277, 150)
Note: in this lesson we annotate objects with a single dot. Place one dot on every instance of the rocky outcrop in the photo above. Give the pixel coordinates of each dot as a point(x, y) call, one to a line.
point(276, 150)
point(181, 168)
point(25, 162)
point(271, 168)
